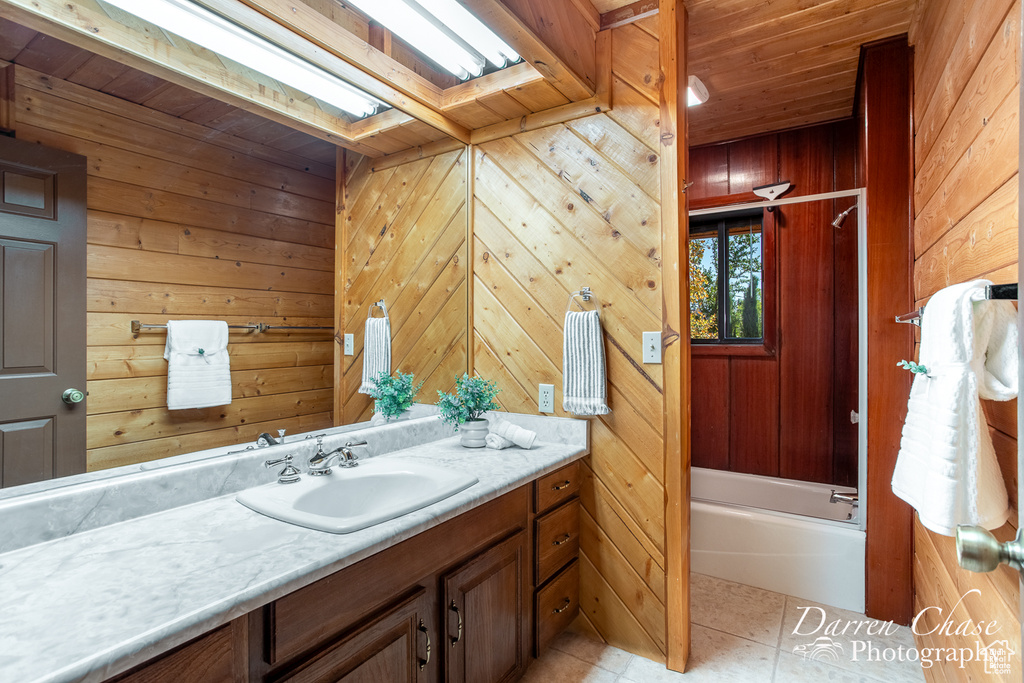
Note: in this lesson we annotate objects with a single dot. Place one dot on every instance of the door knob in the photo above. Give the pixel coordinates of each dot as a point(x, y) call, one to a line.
point(977, 550)
point(72, 396)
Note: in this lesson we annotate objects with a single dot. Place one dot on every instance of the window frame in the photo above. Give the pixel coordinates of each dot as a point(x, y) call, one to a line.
point(768, 344)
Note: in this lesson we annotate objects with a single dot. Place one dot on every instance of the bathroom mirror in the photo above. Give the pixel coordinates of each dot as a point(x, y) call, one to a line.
point(202, 207)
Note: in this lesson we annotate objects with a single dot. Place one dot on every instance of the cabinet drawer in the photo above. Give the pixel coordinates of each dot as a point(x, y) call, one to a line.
point(557, 605)
point(557, 539)
point(554, 488)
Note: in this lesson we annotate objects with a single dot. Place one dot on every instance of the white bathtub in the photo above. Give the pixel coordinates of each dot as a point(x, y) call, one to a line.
point(777, 534)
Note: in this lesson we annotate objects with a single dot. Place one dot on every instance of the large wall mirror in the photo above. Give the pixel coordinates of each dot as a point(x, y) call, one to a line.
point(200, 206)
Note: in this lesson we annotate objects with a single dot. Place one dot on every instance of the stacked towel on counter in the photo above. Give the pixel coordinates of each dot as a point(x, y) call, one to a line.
point(513, 434)
point(376, 351)
point(947, 467)
point(198, 367)
point(584, 385)
point(496, 442)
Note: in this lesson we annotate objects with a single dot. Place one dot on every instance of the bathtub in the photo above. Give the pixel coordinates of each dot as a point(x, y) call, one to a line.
point(777, 534)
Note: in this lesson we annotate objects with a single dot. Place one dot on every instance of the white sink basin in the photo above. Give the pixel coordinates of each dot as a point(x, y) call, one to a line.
point(350, 499)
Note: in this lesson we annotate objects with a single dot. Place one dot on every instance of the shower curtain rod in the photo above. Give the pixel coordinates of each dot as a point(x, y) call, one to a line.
point(1004, 292)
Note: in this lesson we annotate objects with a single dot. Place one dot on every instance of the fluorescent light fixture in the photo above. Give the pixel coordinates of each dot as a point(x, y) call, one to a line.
point(696, 92)
point(472, 30)
point(444, 31)
point(213, 32)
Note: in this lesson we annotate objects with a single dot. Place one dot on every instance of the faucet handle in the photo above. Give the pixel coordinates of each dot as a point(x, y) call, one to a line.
point(288, 475)
point(355, 443)
point(280, 434)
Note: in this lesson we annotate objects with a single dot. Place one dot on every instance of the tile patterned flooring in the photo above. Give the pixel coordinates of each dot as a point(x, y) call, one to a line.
point(741, 634)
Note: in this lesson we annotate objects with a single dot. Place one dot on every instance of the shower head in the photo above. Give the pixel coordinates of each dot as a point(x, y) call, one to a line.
point(838, 222)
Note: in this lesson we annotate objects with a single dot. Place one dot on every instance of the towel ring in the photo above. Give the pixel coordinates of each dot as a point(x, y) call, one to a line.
point(378, 304)
point(586, 295)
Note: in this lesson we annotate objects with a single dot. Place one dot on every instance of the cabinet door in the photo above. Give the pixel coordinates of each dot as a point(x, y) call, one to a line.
point(397, 646)
point(484, 606)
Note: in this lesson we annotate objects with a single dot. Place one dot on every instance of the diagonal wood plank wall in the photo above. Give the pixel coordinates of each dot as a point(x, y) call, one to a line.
point(404, 231)
point(573, 205)
point(966, 119)
point(187, 222)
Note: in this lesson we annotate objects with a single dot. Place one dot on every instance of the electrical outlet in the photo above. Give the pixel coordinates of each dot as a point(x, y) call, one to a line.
point(546, 398)
point(652, 347)
point(349, 345)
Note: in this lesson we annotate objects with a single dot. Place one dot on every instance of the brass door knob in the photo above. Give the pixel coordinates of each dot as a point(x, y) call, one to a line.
point(72, 396)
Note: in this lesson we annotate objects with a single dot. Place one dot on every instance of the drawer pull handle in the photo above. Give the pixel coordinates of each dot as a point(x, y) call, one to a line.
point(559, 487)
point(423, 628)
point(563, 541)
point(565, 606)
point(455, 608)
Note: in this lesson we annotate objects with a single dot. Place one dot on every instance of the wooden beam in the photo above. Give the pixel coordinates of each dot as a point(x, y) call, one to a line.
point(7, 107)
point(84, 25)
point(675, 329)
point(548, 117)
point(378, 123)
point(421, 152)
point(337, 51)
point(533, 50)
point(589, 13)
point(628, 14)
point(508, 78)
point(598, 104)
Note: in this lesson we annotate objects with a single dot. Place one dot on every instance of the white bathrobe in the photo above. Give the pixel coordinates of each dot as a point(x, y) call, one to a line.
point(947, 467)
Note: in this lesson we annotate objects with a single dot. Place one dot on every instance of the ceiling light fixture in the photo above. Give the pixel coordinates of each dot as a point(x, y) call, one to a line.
point(696, 92)
point(213, 32)
point(444, 31)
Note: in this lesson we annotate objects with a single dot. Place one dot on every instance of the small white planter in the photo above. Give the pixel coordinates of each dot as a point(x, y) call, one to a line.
point(473, 433)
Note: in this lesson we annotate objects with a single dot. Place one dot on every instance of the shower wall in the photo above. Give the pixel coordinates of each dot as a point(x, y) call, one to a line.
point(783, 409)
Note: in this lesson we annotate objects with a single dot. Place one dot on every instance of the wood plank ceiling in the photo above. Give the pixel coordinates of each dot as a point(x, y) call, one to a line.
point(768, 65)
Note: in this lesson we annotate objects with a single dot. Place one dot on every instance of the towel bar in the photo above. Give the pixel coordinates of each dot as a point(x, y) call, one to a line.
point(1004, 292)
point(257, 327)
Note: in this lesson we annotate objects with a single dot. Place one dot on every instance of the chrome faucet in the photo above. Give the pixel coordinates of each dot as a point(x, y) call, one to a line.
point(320, 463)
point(266, 439)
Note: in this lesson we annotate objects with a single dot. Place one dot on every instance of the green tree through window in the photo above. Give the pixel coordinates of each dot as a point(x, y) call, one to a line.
point(726, 276)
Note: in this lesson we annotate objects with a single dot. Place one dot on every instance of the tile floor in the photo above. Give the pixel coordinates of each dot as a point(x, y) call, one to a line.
point(741, 634)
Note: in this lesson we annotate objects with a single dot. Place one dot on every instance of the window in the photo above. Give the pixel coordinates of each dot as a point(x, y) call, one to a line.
point(727, 278)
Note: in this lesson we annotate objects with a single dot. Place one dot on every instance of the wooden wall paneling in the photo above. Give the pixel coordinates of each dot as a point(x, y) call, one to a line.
point(966, 186)
point(709, 172)
point(805, 295)
point(754, 162)
point(845, 443)
point(672, 106)
point(405, 228)
point(710, 433)
point(885, 168)
point(754, 416)
point(261, 252)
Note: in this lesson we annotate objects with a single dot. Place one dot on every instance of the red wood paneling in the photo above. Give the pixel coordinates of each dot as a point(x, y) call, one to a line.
point(793, 388)
point(805, 309)
point(709, 437)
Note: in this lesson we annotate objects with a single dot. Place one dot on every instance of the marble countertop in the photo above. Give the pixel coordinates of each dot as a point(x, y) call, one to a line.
point(93, 604)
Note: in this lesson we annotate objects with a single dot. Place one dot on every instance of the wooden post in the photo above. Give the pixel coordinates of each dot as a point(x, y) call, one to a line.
point(675, 330)
point(340, 240)
point(470, 256)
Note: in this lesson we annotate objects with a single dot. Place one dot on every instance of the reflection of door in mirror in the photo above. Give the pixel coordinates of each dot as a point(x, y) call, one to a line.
point(42, 313)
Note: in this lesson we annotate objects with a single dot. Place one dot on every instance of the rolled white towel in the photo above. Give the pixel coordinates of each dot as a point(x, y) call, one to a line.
point(523, 438)
point(496, 442)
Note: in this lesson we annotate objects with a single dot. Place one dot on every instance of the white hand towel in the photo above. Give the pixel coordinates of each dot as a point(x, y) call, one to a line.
point(523, 438)
point(947, 467)
point(584, 386)
point(376, 351)
point(198, 367)
point(496, 442)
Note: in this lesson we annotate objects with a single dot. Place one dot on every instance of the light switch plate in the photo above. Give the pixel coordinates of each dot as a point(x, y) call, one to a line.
point(546, 398)
point(652, 347)
point(349, 345)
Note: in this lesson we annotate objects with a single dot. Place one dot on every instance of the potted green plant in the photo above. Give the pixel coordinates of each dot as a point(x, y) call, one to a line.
point(393, 394)
point(473, 397)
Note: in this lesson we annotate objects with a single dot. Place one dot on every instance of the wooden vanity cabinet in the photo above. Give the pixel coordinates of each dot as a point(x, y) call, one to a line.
point(455, 603)
point(556, 538)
